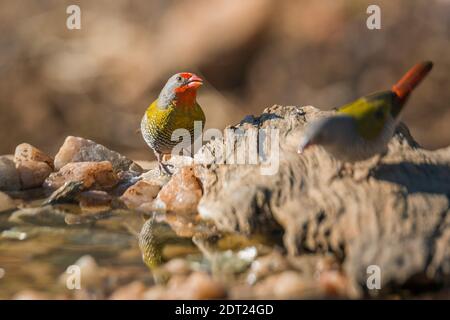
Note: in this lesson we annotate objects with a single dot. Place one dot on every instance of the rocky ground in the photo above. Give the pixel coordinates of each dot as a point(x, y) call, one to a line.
point(225, 230)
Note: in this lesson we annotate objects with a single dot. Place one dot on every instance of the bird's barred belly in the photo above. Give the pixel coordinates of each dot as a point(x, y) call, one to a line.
point(160, 140)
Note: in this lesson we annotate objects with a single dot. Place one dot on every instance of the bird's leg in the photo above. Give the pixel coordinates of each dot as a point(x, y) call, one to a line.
point(163, 168)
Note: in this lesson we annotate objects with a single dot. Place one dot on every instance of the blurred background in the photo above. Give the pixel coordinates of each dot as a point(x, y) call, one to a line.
point(97, 82)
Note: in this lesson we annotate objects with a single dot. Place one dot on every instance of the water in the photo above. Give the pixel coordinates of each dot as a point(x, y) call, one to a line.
point(38, 245)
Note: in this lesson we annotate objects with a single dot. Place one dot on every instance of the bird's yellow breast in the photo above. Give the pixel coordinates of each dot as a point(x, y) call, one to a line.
point(161, 123)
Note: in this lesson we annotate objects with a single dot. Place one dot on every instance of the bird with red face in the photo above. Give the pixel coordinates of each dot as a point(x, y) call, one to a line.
point(175, 108)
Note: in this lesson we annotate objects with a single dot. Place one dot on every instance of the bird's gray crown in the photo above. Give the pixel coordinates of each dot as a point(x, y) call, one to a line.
point(168, 94)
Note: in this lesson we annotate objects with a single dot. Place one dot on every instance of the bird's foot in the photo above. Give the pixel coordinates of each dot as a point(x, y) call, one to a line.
point(164, 168)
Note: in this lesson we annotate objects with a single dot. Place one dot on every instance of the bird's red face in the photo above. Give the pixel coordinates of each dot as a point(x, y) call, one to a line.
point(188, 82)
point(186, 88)
point(180, 89)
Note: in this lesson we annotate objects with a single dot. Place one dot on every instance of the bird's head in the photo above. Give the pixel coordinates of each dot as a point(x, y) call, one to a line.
point(180, 89)
point(327, 131)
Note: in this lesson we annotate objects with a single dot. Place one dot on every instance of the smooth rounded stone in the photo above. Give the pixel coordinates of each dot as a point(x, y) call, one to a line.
point(32, 173)
point(284, 285)
point(33, 165)
point(47, 216)
point(9, 176)
point(26, 152)
point(13, 234)
point(142, 192)
point(6, 203)
point(77, 149)
point(267, 265)
point(197, 286)
point(91, 274)
point(177, 266)
point(183, 192)
point(336, 284)
point(31, 295)
point(95, 175)
point(132, 291)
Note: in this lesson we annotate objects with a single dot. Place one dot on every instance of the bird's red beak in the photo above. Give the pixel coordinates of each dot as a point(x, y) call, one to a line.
point(194, 82)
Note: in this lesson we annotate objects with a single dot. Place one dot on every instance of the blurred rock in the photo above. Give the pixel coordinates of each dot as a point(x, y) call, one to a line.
point(334, 283)
point(183, 192)
point(143, 192)
point(91, 274)
point(177, 266)
point(31, 295)
point(33, 165)
point(9, 176)
point(197, 286)
point(285, 285)
point(6, 203)
point(267, 265)
point(13, 234)
point(132, 291)
point(76, 149)
point(66, 193)
point(26, 152)
point(46, 216)
point(95, 175)
point(32, 173)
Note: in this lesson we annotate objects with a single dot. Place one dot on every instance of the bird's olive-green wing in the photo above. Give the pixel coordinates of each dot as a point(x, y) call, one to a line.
point(370, 113)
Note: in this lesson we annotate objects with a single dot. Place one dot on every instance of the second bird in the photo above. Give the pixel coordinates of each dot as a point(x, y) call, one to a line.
point(363, 128)
point(175, 108)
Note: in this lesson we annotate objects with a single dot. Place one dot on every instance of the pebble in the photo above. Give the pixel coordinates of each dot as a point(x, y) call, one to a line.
point(95, 175)
point(91, 273)
point(66, 193)
point(132, 291)
point(13, 234)
point(196, 286)
point(285, 285)
point(26, 152)
point(76, 149)
point(6, 203)
point(177, 266)
point(32, 173)
point(33, 165)
point(267, 265)
point(9, 176)
point(142, 192)
point(183, 192)
point(31, 295)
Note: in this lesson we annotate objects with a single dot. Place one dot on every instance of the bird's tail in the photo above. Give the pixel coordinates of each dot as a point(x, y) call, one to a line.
point(411, 79)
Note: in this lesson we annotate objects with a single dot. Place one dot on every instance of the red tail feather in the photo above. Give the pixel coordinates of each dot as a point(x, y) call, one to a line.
point(411, 79)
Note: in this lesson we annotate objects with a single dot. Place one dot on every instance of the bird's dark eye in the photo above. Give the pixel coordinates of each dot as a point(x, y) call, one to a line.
point(179, 79)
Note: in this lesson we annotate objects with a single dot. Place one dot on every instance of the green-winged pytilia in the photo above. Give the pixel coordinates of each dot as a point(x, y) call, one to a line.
point(175, 108)
point(363, 128)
